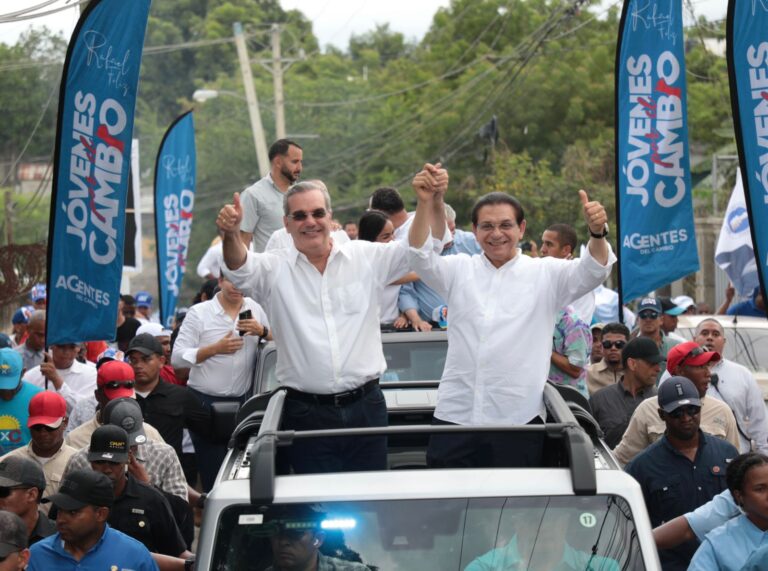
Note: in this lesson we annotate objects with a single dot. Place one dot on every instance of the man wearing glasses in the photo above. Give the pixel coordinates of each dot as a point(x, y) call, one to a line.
point(684, 469)
point(693, 362)
point(114, 380)
point(21, 490)
point(607, 371)
point(322, 303)
point(612, 406)
point(47, 423)
point(649, 313)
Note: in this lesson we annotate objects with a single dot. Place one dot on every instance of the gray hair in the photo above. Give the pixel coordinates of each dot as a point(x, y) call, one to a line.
point(306, 186)
point(37, 315)
point(450, 213)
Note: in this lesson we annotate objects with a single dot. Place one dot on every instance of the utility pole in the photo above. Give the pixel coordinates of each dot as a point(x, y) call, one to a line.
point(253, 102)
point(275, 67)
point(277, 81)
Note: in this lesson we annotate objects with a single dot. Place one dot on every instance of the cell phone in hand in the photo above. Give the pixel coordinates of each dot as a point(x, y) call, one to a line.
point(247, 314)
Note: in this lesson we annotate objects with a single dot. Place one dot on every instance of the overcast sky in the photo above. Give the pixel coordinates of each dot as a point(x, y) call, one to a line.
point(333, 20)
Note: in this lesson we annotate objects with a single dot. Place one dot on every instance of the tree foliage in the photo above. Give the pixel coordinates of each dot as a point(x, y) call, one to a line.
point(381, 108)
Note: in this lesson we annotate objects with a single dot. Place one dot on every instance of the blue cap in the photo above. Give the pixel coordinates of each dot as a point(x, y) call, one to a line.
point(143, 299)
point(10, 369)
point(22, 315)
point(650, 303)
point(675, 392)
point(38, 292)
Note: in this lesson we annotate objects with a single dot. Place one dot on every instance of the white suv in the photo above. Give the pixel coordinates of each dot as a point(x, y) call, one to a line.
point(579, 511)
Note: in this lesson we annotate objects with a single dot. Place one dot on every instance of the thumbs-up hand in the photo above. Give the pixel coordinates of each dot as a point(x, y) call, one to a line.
point(230, 216)
point(594, 213)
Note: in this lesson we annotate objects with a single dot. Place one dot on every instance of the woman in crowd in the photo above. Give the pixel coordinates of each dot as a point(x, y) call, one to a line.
point(728, 547)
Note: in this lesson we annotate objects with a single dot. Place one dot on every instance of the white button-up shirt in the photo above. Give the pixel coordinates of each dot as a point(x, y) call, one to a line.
point(79, 381)
point(326, 326)
point(220, 375)
point(500, 330)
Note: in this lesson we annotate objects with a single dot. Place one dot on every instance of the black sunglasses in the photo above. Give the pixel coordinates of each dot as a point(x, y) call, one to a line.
point(300, 215)
point(617, 344)
point(44, 427)
point(5, 491)
point(648, 315)
point(113, 385)
point(690, 410)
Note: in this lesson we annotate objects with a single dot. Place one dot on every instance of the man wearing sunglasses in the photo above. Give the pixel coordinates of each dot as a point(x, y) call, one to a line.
point(693, 362)
point(607, 371)
point(47, 423)
point(612, 406)
point(649, 325)
point(114, 380)
point(684, 469)
point(322, 302)
point(21, 490)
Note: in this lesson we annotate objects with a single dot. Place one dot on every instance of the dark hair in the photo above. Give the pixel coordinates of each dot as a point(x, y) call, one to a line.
point(208, 288)
point(739, 467)
point(616, 327)
point(280, 147)
point(566, 235)
point(128, 299)
point(498, 198)
point(371, 224)
point(388, 200)
point(347, 223)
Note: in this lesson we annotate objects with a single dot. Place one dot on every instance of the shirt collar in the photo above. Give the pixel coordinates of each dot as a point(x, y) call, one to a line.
point(508, 264)
point(294, 255)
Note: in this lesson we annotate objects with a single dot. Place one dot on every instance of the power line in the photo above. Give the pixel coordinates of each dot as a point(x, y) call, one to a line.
point(20, 18)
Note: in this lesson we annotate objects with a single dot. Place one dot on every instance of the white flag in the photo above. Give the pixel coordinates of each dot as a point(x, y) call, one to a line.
point(735, 253)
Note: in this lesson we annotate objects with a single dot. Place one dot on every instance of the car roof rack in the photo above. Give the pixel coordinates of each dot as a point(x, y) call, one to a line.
point(263, 448)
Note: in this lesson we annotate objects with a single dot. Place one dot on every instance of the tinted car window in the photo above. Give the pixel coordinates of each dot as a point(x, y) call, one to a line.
point(537, 533)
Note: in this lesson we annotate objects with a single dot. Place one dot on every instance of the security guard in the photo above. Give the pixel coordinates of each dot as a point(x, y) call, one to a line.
point(138, 510)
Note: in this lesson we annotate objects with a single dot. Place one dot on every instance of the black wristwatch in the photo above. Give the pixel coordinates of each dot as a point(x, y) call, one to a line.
point(264, 333)
point(189, 564)
point(603, 234)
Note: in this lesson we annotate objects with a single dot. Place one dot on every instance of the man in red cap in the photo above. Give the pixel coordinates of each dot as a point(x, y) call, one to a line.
point(692, 361)
point(47, 422)
point(114, 380)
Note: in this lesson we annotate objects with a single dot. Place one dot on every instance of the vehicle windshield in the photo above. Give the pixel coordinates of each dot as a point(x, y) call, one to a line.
point(412, 361)
point(478, 534)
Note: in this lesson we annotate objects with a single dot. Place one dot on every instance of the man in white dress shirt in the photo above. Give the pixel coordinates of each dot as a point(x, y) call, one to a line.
point(322, 301)
point(220, 359)
point(61, 372)
point(503, 308)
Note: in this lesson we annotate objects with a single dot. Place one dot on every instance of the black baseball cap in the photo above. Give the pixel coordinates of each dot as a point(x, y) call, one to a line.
point(13, 534)
point(126, 413)
point(642, 348)
point(110, 443)
point(675, 392)
point(146, 344)
point(82, 488)
point(18, 471)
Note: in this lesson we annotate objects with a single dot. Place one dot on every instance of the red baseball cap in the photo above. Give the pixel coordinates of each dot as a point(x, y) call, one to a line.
point(690, 353)
point(48, 408)
point(116, 372)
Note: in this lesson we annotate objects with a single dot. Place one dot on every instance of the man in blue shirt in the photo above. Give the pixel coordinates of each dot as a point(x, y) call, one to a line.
point(682, 470)
point(85, 542)
point(754, 306)
point(15, 395)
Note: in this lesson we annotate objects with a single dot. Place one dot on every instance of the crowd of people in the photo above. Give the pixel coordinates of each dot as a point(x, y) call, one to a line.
point(99, 435)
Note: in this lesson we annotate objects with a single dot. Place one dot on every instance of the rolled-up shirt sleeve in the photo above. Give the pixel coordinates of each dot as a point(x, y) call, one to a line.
point(718, 511)
point(188, 341)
